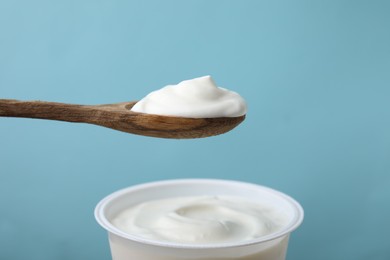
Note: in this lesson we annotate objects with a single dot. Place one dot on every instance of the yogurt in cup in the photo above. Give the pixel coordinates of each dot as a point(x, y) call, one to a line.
point(127, 245)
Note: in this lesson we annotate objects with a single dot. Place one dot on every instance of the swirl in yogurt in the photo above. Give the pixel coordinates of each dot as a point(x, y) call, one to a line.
point(200, 220)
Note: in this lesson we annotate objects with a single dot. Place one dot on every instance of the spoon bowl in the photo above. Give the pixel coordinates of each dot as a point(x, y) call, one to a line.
point(118, 116)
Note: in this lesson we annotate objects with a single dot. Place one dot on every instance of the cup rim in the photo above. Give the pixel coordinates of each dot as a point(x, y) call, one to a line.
point(106, 224)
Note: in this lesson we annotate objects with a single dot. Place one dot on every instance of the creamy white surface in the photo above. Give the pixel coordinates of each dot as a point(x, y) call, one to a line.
point(200, 220)
point(195, 98)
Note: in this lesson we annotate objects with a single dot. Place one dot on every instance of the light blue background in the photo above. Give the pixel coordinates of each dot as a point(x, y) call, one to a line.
point(315, 74)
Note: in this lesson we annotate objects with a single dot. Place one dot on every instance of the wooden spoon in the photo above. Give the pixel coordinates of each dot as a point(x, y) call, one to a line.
point(119, 117)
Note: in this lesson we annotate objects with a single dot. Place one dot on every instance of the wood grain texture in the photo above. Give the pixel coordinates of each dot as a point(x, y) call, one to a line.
point(119, 117)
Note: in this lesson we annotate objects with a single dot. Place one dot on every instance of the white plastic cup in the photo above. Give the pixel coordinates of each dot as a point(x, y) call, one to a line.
point(130, 247)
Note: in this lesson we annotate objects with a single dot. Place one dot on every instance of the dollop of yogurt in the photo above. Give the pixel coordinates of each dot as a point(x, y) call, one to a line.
point(195, 98)
point(200, 220)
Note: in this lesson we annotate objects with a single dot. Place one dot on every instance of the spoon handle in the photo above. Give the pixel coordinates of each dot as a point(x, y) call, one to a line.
point(46, 110)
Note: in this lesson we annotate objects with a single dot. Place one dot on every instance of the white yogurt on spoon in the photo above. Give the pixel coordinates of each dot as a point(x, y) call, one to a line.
point(195, 98)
